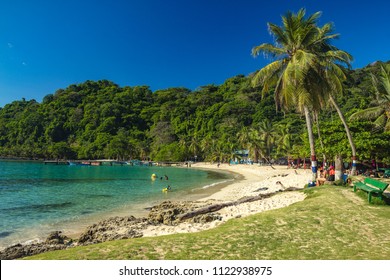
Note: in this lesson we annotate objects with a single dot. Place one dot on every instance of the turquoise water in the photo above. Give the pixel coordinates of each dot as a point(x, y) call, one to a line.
point(36, 199)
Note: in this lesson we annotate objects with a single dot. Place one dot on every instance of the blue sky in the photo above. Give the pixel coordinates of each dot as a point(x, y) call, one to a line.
point(47, 45)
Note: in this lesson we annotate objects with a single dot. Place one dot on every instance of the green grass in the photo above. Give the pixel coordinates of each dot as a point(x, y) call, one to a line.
point(331, 223)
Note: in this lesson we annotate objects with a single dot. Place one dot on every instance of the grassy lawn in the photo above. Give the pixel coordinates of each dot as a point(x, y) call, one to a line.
point(331, 223)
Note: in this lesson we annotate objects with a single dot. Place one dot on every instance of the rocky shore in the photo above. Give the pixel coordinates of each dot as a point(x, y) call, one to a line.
point(114, 228)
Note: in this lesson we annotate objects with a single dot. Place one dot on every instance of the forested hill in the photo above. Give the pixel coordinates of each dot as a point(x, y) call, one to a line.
point(102, 120)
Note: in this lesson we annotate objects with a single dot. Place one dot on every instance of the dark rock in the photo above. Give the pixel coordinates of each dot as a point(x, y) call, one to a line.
point(19, 251)
point(167, 212)
point(113, 229)
point(56, 237)
point(206, 218)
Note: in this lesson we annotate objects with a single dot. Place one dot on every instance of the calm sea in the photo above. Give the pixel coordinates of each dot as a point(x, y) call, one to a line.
point(36, 199)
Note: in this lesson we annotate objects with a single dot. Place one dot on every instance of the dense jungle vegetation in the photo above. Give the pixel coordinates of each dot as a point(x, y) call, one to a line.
point(99, 119)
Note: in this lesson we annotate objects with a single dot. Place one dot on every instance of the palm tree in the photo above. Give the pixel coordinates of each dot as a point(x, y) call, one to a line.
point(194, 147)
point(244, 137)
point(381, 109)
point(335, 75)
point(255, 144)
point(305, 67)
point(208, 147)
point(267, 134)
point(284, 141)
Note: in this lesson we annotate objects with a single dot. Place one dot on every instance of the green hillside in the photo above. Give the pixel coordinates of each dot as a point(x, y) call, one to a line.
point(99, 119)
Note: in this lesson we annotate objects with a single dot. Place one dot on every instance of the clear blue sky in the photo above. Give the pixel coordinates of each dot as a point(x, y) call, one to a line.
point(49, 44)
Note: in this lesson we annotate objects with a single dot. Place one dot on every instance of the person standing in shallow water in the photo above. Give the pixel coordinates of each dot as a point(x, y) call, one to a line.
point(166, 177)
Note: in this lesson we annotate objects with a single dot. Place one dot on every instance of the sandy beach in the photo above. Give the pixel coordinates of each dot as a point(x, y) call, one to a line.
point(264, 185)
point(255, 180)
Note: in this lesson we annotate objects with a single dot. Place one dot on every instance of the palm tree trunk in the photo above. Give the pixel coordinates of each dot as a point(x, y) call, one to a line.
point(256, 154)
point(312, 146)
point(320, 138)
point(338, 163)
point(351, 143)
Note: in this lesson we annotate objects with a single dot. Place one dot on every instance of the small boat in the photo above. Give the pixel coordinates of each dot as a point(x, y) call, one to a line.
point(75, 163)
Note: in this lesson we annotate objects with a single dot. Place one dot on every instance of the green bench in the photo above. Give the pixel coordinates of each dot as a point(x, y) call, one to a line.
point(371, 186)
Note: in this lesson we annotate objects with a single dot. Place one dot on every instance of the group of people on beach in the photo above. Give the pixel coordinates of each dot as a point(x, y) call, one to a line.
point(326, 175)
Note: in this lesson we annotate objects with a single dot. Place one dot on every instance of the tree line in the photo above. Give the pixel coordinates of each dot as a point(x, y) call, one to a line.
point(99, 119)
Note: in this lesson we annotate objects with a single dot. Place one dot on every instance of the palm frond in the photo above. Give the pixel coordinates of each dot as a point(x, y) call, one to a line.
point(381, 121)
point(305, 59)
point(278, 34)
point(381, 86)
point(267, 72)
point(387, 126)
point(326, 30)
point(336, 70)
point(308, 37)
point(312, 19)
point(303, 99)
point(385, 80)
point(268, 50)
point(285, 95)
point(325, 34)
point(339, 56)
point(368, 114)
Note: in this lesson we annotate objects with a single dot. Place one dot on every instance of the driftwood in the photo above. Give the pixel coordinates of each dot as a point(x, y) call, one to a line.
point(216, 207)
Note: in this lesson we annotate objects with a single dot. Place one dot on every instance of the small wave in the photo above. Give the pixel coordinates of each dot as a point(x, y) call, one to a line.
point(215, 184)
point(32, 241)
point(17, 241)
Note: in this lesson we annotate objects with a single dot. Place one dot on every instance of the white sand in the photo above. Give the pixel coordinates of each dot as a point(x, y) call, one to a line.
point(256, 180)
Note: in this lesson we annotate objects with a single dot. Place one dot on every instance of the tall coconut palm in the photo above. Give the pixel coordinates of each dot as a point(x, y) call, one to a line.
point(304, 69)
point(333, 61)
